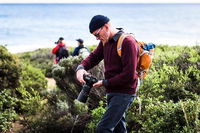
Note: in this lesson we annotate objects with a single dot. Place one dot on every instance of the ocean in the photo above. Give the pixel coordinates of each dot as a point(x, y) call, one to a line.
point(25, 27)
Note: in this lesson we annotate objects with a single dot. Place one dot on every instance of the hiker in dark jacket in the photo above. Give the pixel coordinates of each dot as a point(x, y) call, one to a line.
point(78, 49)
point(61, 51)
point(120, 73)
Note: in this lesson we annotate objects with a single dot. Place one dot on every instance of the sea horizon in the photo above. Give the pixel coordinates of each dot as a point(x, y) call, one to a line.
point(23, 28)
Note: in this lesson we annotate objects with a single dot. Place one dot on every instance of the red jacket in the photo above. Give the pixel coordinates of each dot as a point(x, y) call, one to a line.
point(55, 49)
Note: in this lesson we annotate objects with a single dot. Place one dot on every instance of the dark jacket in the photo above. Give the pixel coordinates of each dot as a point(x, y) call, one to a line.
point(77, 49)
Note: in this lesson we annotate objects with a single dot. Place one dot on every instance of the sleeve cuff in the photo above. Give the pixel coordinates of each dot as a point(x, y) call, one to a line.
point(105, 82)
point(79, 67)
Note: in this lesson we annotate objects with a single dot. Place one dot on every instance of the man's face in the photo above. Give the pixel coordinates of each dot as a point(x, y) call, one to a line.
point(101, 34)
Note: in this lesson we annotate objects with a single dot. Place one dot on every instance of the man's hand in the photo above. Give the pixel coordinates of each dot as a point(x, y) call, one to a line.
point(79, 75)
point(98, 84)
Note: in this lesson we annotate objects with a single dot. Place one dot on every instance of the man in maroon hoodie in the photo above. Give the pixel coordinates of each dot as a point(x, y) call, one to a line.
point(120, 73)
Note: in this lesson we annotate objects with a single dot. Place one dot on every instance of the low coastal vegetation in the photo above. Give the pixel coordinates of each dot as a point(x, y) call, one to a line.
point(168, 100)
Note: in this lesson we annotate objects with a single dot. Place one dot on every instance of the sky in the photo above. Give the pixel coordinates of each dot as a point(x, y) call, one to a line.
point(99, 1)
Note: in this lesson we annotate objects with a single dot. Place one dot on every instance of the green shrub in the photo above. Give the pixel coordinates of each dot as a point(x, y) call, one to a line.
point(58, 116)
point(9, 70)
point(96, 113)
point(173, 75)
point(7, 112)
point(91, 47)
point(40, 58)
point(50, 120)
point(9, 79)
point(166, 117)
point(29, 103)
point(32, 78)
point(193, 84)
point(32, 83)
point(168, 83)
point(80, 108)
point(180, 56)
point(20, 88)
point(169, 97)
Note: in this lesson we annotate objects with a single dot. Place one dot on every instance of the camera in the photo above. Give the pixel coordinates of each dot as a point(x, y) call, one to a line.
point(83, 95)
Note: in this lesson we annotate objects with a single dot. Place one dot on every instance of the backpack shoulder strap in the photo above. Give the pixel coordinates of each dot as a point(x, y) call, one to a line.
point(120, 41)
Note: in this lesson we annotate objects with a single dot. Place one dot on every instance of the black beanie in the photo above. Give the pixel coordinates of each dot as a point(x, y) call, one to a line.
point(97, 22)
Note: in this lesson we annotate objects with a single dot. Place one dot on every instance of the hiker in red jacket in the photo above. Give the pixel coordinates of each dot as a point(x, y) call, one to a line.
point(120, 73)
point(60, 50)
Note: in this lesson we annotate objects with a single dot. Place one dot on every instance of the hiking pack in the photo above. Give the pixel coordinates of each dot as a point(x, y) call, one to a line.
point(145, 54)
point(62, 52)
point(83, 50)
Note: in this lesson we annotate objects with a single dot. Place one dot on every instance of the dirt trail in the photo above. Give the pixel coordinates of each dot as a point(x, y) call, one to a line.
point(16, 128)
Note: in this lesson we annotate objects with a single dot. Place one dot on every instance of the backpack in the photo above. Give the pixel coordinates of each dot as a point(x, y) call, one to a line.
point(145, 55)
point(62, 52)
point(84, 52)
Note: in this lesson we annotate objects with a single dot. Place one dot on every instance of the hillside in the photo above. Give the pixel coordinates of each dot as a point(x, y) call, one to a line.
point(169, 97)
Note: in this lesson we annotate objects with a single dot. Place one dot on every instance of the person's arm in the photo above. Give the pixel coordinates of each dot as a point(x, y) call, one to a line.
point(129, 60)
point(93, 59)
point(55, 50)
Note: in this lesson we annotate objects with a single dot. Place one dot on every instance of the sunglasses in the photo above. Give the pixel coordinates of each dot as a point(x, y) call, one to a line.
point(98, 32)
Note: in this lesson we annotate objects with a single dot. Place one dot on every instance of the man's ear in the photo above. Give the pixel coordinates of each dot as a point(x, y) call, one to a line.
point(106, 26)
